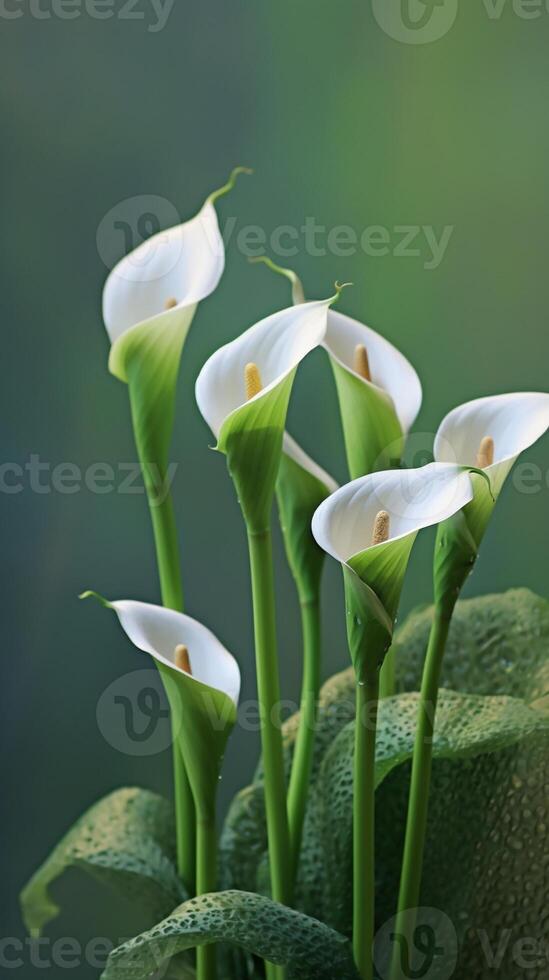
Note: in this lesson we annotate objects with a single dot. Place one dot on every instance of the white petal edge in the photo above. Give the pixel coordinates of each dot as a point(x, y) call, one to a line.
point(276, 344)
point(299, 456)
point(414, 499)
point(157, 630)
point(390, 370)
point(515, 422)
point(184, 263)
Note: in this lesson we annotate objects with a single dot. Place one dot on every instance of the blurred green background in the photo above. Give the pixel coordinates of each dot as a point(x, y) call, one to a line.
point(342, 124)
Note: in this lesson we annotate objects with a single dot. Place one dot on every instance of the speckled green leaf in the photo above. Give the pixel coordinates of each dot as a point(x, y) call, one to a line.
point(127, 841)
point(306, 947)
point(498, 644)
point(468, 727)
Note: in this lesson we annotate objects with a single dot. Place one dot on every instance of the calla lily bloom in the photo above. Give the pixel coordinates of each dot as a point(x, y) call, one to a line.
point(370, 525)
point(488, 434)
point(379, 394)
point(202, 681)
point(243, 392)
point(149, 301)
point(378, 389)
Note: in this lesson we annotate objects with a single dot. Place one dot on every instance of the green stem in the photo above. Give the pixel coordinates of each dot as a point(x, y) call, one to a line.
point(268, 687)
point(206, 882)
point(416, 825)
point(387, 683)
point(364, 825)
point(167, 551)
point(167, 558)
point(303, 752)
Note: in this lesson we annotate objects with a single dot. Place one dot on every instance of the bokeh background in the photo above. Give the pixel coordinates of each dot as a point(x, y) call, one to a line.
point(343, 124)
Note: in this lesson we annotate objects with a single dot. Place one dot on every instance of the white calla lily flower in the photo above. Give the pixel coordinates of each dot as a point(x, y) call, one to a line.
point(390, 371)
point(379, 393)
point(166, 276)
point(160, 631)
point(369, 526)
point(413, 499)
point(513, 422)
point(243, 392)
point(277, 344)
point(202, 683)
point(488, 434)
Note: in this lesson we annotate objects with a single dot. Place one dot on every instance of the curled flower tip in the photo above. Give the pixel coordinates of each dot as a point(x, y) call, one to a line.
point(89, 594)
point(252, 380)
point(381, 528)
point(339, 287)
point(182, 659)
point(485, 455)
point(297, 286)
point(230, 183)
point(361, 362)
point(170, 303)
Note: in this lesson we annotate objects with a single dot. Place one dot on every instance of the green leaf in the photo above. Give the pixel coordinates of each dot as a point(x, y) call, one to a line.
point(373, 435)
point(306, 947)
point(467, 727)
point(127, 841)
point(497, 645)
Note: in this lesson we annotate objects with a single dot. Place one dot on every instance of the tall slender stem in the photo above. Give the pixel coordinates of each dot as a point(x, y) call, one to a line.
point(167, 551)
point(167, 558)
point(416, 824)
point(364, 825)
point(303, 752)
point(206, 881)
point(387, 678)
point(268, 685)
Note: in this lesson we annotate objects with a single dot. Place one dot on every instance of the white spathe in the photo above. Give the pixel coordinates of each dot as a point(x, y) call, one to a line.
point(414, 499)
point(276, 345)
point(299, 456)
point(158, 631)
point(514, 421)
point(184, 263)
point(390, 370)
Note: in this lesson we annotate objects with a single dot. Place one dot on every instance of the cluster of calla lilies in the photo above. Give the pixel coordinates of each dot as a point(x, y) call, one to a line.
point(369, 526)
